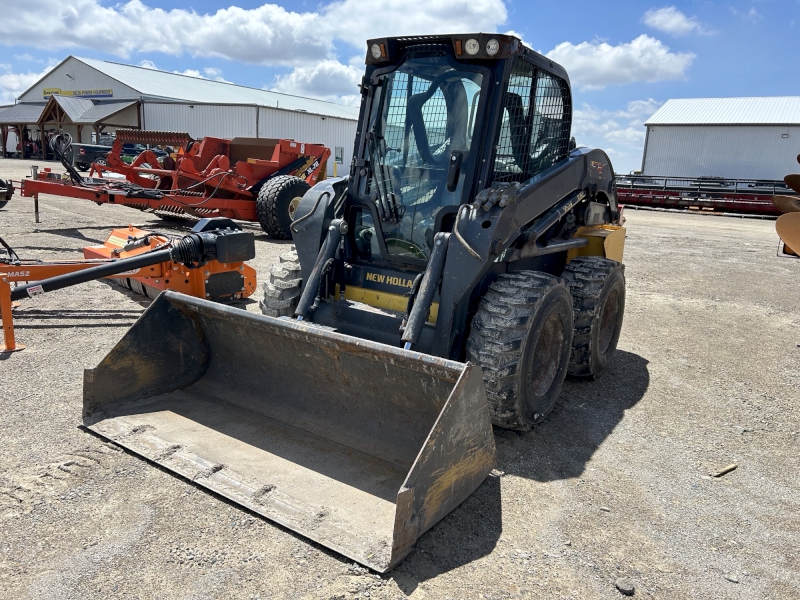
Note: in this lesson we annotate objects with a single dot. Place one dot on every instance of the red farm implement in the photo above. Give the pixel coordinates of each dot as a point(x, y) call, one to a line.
point(250, 179)
point(701, 194)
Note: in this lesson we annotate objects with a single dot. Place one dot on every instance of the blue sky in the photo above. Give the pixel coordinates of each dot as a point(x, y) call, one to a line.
point(625, 58)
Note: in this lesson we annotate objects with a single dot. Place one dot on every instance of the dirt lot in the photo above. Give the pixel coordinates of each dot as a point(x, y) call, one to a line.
point(614, 485)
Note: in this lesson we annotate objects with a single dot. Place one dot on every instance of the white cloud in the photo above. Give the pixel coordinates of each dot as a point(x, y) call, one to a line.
point(670, 20)
point(13, 84)
point(595, 65)
point(267, 34)
point(191, 73)
point(215, 74)
point(752, 15)
point(27, 57)
point(355, 21)
point(619, 132)
point(326, 80)
point(210, 72)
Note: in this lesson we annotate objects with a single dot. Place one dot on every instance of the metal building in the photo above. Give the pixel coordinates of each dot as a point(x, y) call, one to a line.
point(85, 96)
point(735, 138)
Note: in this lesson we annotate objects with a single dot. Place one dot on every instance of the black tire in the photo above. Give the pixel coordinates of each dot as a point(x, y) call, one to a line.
point(276, 202)
point(521, 337)
point(3, 203)
point(101, 161)
point(282, 291)
point(82, 166)
point(598, 296)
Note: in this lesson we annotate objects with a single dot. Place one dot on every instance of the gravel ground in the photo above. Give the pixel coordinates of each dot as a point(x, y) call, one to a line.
point(613, 488)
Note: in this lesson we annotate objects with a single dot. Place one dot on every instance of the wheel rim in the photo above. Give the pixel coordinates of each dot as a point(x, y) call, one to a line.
point(546, 357)
point(608, 322)
point(293, 206)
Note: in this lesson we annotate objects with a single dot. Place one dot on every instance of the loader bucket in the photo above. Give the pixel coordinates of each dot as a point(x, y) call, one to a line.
point(356, 445)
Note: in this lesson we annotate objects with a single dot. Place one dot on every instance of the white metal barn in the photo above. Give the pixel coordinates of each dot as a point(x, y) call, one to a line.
point(83, 95)
point(736, 138)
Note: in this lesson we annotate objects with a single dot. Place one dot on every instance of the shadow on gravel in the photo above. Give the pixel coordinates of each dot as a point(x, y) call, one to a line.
point(586, 414)
point(26, 319)
point(77, 314)
point(75, 233)
point(559, 448)
point(468, 533)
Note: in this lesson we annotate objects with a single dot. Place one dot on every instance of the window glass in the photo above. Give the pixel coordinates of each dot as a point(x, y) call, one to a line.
point(423, 114)
point(534, 132)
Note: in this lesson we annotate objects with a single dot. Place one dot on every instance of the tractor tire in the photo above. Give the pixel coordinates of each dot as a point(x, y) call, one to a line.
point(521, 338)
point(282, 291)
point(277, 200)
point(598, 300)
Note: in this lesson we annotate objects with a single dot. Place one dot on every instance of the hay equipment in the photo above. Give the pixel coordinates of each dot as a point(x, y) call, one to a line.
point(249, 179)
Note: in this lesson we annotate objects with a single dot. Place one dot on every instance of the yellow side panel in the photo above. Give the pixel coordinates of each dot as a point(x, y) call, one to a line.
point(384, 300)
point(604, 240)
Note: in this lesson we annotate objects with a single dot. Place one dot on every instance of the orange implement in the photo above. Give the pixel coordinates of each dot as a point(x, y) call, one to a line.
point(213, 280)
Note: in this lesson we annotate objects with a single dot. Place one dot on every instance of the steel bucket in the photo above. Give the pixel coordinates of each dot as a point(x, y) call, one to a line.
point(356, 445)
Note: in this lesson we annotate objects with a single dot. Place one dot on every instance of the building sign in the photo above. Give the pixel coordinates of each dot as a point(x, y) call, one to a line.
point(47, 92)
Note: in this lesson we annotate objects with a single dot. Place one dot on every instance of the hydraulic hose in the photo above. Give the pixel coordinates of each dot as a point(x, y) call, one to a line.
point(61, 147)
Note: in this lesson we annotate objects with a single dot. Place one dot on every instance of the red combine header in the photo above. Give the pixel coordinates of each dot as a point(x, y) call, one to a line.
point(701, 194)
point(250, 179)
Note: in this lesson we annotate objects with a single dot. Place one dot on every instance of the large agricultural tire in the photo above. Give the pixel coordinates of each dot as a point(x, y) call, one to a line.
point(521, 338)
point(598, 295)
point(277, 201)
point(282, 291)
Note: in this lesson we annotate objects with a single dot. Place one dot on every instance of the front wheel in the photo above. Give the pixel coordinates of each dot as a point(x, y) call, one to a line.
point(598, 295)
point(282, 291)
point(521, 338)
point(277, 202)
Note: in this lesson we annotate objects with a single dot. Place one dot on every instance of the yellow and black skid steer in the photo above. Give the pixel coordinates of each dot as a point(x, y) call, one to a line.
point(467, 264)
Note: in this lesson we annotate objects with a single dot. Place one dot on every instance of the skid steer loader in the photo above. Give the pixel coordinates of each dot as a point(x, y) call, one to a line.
point(470, 261)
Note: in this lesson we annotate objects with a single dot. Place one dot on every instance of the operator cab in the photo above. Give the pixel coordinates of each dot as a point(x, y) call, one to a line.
point(426, 121)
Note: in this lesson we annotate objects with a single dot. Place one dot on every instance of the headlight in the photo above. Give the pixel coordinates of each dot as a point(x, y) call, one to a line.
point(376, 51)
point(492, 46)
point(472, 47)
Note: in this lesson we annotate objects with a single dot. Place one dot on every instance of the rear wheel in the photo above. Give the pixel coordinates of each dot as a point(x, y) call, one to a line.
point(277, 202)
point(82, 166)
point(282, 291)
point(598, 295)
point(521, 337)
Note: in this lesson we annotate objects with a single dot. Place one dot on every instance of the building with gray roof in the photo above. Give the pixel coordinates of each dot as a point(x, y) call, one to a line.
point(735, 138)
point(88, 97)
